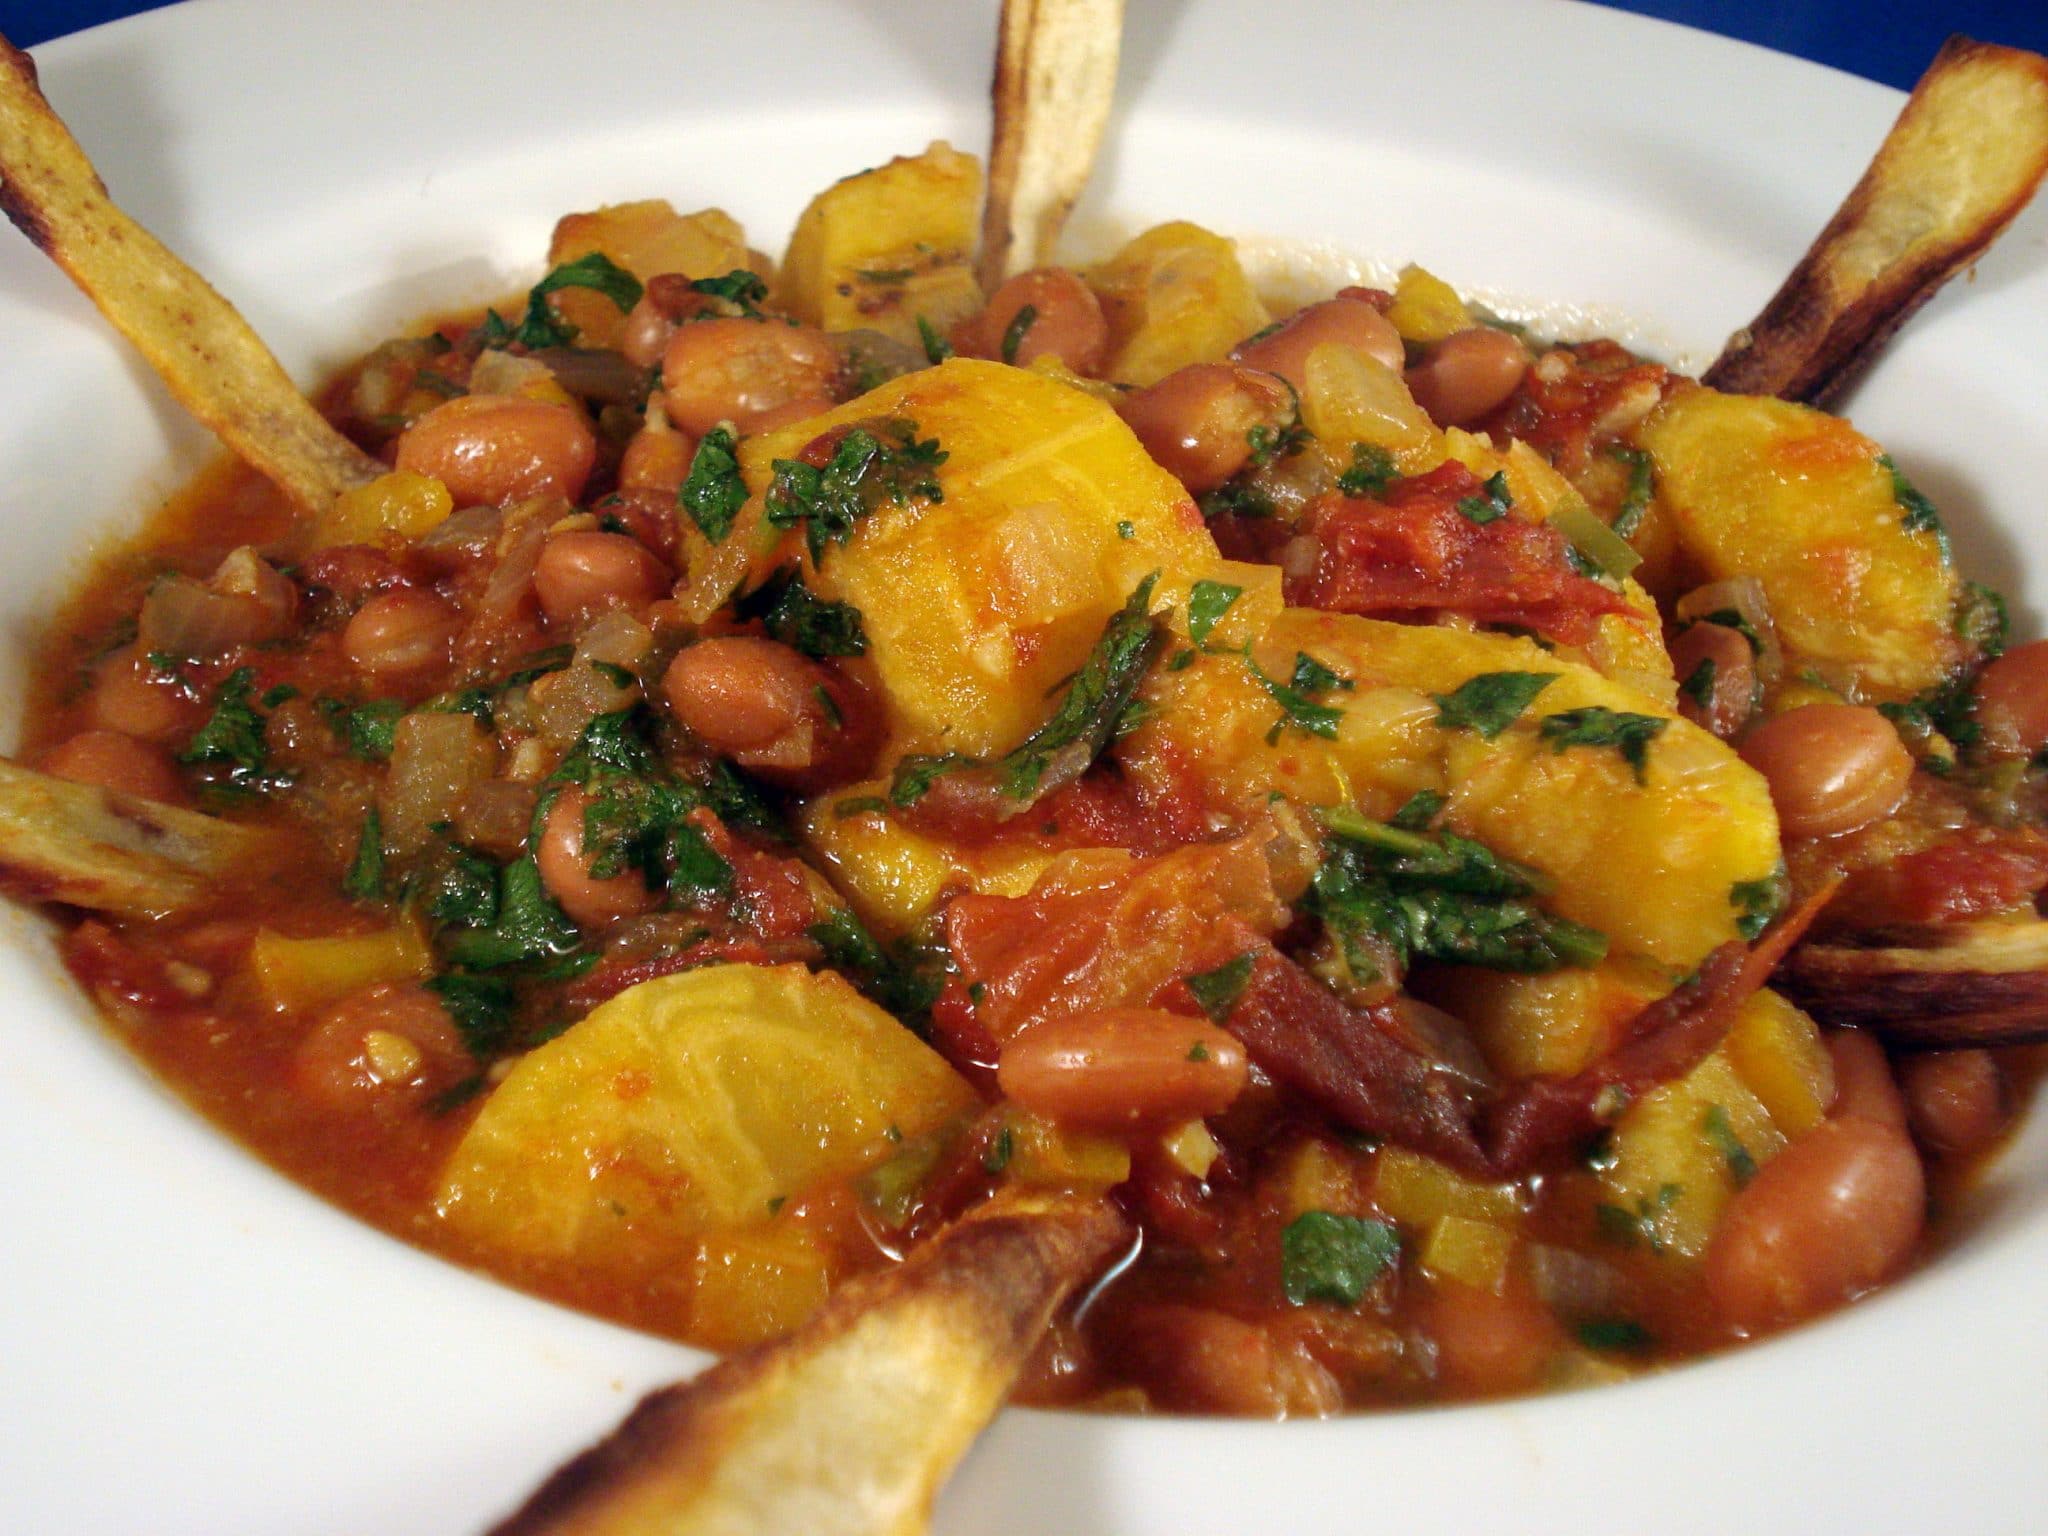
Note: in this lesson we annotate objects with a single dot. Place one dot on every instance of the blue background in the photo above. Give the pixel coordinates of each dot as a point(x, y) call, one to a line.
point(1887, 40)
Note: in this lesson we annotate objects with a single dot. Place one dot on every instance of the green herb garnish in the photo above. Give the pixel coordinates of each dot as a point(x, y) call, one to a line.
point(1597, 726)
point(543, 328)
point(1018, 328)
point(865, 470)
point(1490, 702)
point(1218, 990)
point(1327, 1257)
point(1208, 601)
point(714, 492)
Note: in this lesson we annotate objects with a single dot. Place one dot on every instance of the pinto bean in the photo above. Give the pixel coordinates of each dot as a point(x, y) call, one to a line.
point(1832, 1215)
point(118, 762)
point(1066, 322)
point(2012, 701)
point(389, 1041)
point(1729, 689)
point(491, 449)
point(401, 633)
point(1468, 374)
point(738, 370)
point(1832, 767)
point(130, 696)
point(592, 901)
point(1956, 1101)
point(1487, 1343)
point(753, 700)
point(1123, 1069)
point(1864, 1086)
point(1196, 422)
point(656, 461)
point(582, 573)
point(1198, 1360)
point(1346, 322)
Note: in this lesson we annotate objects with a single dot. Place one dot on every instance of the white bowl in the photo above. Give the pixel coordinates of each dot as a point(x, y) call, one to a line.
point(193, 1345)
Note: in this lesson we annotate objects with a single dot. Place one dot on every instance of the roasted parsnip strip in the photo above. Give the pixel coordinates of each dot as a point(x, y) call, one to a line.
point(1961, 162)
point(204, 351)
point(88, 847)
point(848, 1427)
point(1952, 984)
point(1055, 81)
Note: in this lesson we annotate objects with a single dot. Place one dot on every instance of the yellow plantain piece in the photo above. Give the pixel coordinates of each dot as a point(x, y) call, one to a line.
point(205, 353)
point(1957, 167)
point(848, 1427)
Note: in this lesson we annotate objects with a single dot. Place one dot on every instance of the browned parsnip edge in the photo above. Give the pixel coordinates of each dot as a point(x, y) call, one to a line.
point(1055, 82)
point(850, 1425)
point(1964, 158)
point(204, 351)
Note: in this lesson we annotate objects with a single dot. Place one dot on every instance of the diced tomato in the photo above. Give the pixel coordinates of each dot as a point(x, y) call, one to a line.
point(1558, 411)
point(1416, 555)
point(1973, 874)
point(1109, 934)
point(959, 1035)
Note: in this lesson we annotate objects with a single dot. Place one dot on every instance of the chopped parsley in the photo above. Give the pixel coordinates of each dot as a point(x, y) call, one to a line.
point(1642, 486)
point(526, 925)
point(1699, 683)
point(742, 289)
point(231, 742)
point(459, 886)
point(714, 492)
point(1490, 506)
point(1418, 811)
point(1916, 513)
point(1981, 619)
point(1327, 1257)
point(482, 1007)
point(999, 1152)
point(867, 468)
point(1094, 710)
point(1641, 1227)
point(1208, 601)
point(543, 328)
point(366, 731)
point(1438, 896)
point(1490, 702)
point(1619, 1334)
point(1299, 710)
point(1218, 990)
point(1018, 328)
point(1268, 443)
point(365, 878)
point(1731, 618)
point(1721, 1132)
point(1371, 473)
point(810, 624)
point(936, 348)
point(904, 983)
point(1756, 902)
point(1597, 726)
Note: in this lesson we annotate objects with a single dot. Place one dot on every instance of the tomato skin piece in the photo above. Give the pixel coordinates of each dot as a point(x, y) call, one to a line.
point(1415, 555)
point(1976, 873)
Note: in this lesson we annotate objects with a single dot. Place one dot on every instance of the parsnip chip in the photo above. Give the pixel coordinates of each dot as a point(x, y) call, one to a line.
point(88, 847)
point(204, 351)
point(849, 1427)
point(1961, 162)
point(1055, 80)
